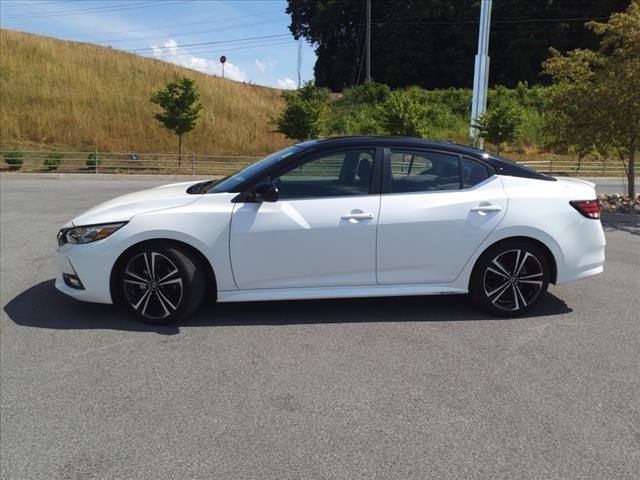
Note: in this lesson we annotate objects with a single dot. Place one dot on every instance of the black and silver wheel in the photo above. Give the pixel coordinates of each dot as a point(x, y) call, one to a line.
point(510, 278)
point(160, 284)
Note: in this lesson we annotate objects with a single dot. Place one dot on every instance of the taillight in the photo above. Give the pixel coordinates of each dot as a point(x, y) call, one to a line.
point(588, 208)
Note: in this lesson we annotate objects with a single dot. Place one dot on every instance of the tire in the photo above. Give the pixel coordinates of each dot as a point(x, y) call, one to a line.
point(510, 278)
point(160, 284)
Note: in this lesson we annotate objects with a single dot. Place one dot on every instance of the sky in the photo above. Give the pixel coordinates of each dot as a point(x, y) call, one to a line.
point(252, 34)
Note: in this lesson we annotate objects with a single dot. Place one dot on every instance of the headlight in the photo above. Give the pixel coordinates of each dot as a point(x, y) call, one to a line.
point(87, 234)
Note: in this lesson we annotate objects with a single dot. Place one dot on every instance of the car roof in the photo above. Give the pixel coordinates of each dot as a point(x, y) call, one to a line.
point(376, 140)
point(503, 166)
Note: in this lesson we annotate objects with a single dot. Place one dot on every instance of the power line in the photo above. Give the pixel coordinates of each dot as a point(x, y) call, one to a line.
point(21, 3)
point(173, 25)
point(183, 34)
point(110, 8)
point(216, 42)
point(470, 22)
point(219, 50)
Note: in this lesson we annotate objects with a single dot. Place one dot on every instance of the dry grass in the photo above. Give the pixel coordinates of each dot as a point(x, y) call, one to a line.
point(76, 96)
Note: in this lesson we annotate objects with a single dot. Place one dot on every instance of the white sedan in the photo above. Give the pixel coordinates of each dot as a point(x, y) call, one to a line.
point(341, 217)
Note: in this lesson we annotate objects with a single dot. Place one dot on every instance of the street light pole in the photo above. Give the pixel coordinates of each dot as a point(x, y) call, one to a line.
point(481, 73)
point(368, 43)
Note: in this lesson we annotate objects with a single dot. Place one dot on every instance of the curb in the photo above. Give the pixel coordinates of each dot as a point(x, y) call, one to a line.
point(627, 218)
point(103, 176)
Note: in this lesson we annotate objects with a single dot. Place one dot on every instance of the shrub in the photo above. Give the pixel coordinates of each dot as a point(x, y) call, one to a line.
point(370, 92)
point(305, 113)
point(501, 123)
point(362, 121)
point(456, 100)
point(13, 159)
point(53, 160)
point(403, 115)
point(94, 159)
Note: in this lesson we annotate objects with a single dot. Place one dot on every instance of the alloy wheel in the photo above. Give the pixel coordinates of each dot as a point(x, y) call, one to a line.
point(513, 280)
point(153, 285)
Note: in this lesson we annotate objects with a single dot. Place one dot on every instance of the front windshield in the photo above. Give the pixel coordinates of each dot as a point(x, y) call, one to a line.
point(229, 183)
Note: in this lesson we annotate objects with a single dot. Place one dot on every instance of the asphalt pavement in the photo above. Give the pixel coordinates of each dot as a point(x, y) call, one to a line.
point(389, 388)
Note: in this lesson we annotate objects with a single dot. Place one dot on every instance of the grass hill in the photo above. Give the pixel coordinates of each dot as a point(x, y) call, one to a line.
point(78, 96)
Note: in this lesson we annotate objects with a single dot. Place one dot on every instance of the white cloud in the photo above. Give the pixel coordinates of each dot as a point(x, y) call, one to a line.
point(286, 83)
point(171, 52)
point(262, 66)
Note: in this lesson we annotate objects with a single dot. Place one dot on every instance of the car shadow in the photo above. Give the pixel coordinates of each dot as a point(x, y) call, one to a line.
point(42, 306)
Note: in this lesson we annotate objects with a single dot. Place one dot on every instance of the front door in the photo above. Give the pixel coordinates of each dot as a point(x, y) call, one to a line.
point(321, 231)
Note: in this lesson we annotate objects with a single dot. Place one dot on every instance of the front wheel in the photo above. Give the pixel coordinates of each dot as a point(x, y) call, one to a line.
point(510, 278)
point(161, 284)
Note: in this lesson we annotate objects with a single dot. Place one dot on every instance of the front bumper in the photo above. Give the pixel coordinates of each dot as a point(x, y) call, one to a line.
point(92, 264)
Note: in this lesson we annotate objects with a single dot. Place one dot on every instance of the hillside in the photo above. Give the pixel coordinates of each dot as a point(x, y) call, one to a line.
point(77, 96)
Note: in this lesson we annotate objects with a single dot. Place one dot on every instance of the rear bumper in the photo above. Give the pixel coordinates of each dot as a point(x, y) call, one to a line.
point(584, 252)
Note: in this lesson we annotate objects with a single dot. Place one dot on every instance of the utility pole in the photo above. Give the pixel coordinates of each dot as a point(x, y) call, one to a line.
point(299, 62)
point(368, 43)
point(481, 73)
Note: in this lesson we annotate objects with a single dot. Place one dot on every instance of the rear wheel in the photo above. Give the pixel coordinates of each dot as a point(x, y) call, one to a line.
point(510, 278)
point(161, 284)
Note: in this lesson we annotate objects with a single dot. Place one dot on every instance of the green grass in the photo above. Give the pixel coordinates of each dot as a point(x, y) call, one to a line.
point(65, 95)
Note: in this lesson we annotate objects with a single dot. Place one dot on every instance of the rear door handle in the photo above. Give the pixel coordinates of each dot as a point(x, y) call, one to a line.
point(487, 208)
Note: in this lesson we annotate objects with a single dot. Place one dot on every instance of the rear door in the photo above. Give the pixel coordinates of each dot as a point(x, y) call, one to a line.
point(322, 230)
point(436, 209)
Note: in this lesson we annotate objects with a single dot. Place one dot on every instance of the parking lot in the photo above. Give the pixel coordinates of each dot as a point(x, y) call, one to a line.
point(420, 387)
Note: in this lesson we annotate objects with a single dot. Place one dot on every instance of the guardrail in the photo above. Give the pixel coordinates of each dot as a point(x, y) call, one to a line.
point(584, 168)
point(122, 162)
point(195, 164)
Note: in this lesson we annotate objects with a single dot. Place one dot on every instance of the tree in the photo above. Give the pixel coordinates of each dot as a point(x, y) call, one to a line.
point(178, 100)
point(404, 115)
point(432, 43)
point(603, 86)
point(305, 113)
point(500, 124)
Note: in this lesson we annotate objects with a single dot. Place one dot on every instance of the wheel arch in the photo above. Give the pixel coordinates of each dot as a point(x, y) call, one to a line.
point(551, 260)
point(211, 282)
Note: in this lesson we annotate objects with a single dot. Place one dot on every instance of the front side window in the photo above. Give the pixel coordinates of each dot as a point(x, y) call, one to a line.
point(416, 171)
point(332, 174)
point(230, 183)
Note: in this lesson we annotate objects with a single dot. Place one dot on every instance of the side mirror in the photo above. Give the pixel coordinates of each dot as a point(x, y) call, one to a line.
point(265, 192)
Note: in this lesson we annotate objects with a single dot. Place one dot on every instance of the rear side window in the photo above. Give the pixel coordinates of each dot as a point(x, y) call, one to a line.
point(473, 173)
point(422, 171)
point(415, 171)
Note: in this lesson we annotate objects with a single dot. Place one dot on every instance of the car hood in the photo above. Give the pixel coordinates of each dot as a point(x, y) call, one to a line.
point(125, 207)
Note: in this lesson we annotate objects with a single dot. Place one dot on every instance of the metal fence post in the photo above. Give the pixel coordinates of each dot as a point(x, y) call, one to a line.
point(193, 164)
point(95, 159)
point(550, 166)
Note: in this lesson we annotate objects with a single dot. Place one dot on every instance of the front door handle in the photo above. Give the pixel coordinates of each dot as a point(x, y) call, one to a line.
point(358, 216)
point(487, 208)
